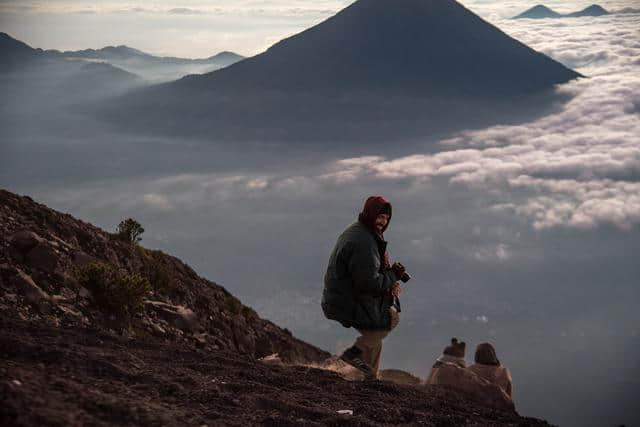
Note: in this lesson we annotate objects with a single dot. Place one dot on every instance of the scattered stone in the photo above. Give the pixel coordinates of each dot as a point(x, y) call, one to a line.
point(16, 382)
point(69, 313)
point(8, 269)
point(345, 412)
point(32, 292)
point(200, 338)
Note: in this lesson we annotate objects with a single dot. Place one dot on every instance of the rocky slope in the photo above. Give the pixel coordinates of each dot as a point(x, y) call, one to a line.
point(179, 350)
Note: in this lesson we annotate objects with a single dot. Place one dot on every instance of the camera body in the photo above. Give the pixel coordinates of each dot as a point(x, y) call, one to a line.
point(405, 277)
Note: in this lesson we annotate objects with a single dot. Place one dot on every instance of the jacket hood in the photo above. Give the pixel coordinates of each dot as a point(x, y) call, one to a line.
point(374, 206)
point(486, 355)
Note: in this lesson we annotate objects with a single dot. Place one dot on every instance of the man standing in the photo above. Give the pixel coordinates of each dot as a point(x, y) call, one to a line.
point(361, 288)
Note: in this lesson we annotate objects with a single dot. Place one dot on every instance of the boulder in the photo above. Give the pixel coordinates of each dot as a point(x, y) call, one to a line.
point(244, 336)
point(42, 257)
point(32, 292)
point(176, 315)
point(24, 241)
point(81, 258)
point(272, 359)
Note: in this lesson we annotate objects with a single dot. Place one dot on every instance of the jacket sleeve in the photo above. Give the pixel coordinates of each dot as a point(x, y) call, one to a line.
point(364, 268)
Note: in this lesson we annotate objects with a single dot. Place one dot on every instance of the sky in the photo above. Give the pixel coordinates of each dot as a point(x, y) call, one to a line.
point(199, 28)
point(525, 234)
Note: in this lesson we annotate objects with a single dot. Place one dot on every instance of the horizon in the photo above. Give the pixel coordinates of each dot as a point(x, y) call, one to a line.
point(197, 29)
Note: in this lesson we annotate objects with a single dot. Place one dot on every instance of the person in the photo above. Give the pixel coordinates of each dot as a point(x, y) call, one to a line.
point(361, 288)
point(488, 366)
point(450, 371)
point(452, 357)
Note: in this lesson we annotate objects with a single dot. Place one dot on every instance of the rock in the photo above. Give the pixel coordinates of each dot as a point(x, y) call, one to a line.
point(28, 288)
point(81, 258)
point(42, 257)
point(200, 339)
point(244, 337)
point(337, 365)
point(8, 269)
point(399, 377)
point(176, 315)
point(272, 359)
point(70, 313)
point(24, 241)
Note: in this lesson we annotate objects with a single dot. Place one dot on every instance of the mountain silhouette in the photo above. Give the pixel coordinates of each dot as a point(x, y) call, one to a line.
point(128, 53)
point(538, 12)
point(430, 61)
point(14, 53)
point(593, 10)
point(541, 11)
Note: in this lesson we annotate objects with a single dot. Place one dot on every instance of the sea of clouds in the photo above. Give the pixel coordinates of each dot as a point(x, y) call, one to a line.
point(580, 165)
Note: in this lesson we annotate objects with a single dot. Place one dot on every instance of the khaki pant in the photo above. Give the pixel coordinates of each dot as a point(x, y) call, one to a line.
point(370, 342)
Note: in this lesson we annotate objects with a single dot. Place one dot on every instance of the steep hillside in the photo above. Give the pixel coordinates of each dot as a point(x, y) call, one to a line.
point(42, 251)
point(98, 331)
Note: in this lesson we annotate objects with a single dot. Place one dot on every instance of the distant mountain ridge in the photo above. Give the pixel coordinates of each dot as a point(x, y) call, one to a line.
point(15, 53)
point(413, 63)
point(35, 78)
point(541, 12)
point(124, 52)
point(150, 67)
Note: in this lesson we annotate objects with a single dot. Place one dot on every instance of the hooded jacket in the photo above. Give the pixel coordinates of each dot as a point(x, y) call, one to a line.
point(358, 278)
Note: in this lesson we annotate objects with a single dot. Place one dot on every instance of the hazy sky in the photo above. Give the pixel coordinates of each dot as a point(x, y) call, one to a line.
point(199, 28)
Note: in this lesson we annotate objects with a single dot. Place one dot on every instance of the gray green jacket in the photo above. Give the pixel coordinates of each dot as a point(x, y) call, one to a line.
point(356, 288)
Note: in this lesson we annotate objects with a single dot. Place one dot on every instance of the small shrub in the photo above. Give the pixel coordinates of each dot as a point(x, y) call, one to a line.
point(156, 269)
point(248, 312)
point(130, 231)
point(113, 291)
point(233, 304)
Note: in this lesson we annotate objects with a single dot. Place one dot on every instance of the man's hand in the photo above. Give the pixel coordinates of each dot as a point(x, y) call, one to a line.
point(396, 290)
point(398, 269)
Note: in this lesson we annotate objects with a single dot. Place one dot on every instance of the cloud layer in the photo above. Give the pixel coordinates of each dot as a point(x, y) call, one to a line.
point(579, 167)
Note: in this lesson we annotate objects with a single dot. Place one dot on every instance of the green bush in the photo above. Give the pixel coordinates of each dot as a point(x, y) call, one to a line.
point(113, 291)
point(232, 303)
point(157, 270)
point(130, 231)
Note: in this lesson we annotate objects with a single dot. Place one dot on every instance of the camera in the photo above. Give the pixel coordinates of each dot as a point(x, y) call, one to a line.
point(398, 267)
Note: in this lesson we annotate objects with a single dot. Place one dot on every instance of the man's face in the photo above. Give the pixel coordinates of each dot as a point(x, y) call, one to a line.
point(381, 222)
